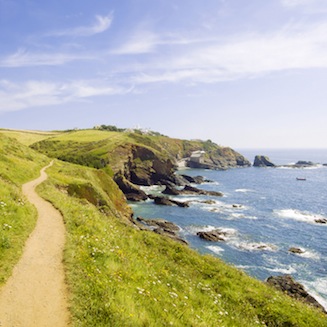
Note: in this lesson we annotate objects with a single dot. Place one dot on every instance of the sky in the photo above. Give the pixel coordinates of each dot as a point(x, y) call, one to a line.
point(245, 74)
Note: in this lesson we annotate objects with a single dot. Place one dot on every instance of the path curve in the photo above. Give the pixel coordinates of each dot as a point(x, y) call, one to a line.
point(35, 295)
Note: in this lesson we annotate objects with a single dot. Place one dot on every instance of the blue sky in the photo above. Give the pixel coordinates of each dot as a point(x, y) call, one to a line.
point(245, 74)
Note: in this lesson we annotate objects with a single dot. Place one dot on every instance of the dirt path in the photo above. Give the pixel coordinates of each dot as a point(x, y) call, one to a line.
point(35, 294)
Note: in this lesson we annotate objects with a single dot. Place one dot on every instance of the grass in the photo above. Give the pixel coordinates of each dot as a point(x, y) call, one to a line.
point(18, 164)
point(120, 276)
point(27, 137)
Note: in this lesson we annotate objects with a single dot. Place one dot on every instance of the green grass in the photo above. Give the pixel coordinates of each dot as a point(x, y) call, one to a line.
point(28, 137)
point(120, 276)
point(18, 164)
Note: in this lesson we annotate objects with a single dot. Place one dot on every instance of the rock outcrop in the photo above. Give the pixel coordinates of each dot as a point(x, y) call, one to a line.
point(286, 283)
point(163, 227)
point(295, 250)
point(165, 201)
point(262, 161)
point(189, 190)
point(216, 235)
point(131, 191)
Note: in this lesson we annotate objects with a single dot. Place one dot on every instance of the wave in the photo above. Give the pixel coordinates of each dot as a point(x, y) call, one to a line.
point(298, 215)
point(286, 270)
point(253, 246)
point(243, 190)
point(193, 229)
point(318, 289)
point(242, 216)
point(216, 249)
point(152, 189)
point(308, 254)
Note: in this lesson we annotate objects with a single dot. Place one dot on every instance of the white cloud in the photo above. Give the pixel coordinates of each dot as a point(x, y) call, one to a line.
point(101, 24)
point(24, 58)
point(242, 56)
point(140, 43)
point(17, 96)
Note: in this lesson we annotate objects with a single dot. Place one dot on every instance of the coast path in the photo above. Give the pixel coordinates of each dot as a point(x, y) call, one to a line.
point(35, 295)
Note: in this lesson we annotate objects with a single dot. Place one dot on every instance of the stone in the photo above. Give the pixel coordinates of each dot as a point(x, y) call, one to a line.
point(286, 283)
point(321, 221)
point(295, 250)
point(262, 161)
point(163, 200)
point(193, 190)
point(163, 227)
point(216, 235)
point(131, 191)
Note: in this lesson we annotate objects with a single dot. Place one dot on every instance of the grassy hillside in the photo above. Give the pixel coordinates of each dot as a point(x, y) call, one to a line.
point(18, 164)
point(120, 276)
point(27, 137)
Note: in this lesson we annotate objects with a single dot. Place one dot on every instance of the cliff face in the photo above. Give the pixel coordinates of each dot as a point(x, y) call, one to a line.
point(133, 158)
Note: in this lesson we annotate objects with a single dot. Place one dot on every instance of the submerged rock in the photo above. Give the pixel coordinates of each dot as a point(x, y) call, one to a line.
point(286, 283)
point(262, 161)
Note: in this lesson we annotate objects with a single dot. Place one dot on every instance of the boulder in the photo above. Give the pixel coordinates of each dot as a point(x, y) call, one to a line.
point(163, 227)
point(163, 200)
point(286, 283)
point(159, 223)
point(216, 235)
point(196, 179)
point(295, 250)
point(193, 190)
point(131, 191)
point(170, 190)
point(262, 161)
point(321, 221)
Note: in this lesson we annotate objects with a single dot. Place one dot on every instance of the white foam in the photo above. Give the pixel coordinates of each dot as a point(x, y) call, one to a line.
point(243, 190)
point(318, 289)
point(152, 189)
point(287, 271)
point(242, 216)
point(308, 254)
point(298, 215)
point(253, 246)
point(216, 249)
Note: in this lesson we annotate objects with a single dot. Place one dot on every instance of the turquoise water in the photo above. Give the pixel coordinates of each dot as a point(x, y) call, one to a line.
point(264, 211)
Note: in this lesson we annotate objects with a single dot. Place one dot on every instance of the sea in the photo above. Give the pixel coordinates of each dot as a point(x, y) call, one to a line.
point(264, 212)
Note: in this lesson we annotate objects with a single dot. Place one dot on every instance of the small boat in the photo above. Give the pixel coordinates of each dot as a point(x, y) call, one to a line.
point(301, 179)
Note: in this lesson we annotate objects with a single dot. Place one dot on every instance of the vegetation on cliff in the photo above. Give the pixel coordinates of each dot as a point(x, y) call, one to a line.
point(118, 275)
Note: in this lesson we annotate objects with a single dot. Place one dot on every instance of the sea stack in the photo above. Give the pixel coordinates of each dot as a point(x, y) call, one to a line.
point(262, 161)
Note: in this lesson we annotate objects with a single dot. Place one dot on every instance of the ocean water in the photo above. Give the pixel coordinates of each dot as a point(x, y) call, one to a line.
point(264, 211)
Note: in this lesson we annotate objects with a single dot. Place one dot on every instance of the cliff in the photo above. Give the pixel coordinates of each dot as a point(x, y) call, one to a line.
point(141, 159)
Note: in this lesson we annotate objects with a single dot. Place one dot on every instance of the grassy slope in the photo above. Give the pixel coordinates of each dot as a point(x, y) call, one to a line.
point(18, 164)
point(27, 137)
point(88, 147)
point(119, 276)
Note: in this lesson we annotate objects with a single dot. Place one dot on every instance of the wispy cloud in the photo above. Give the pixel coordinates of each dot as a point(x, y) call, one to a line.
point(139, 43)
point(102, 23)
point(17, 96)
point(25, 58)
point(242, 56)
